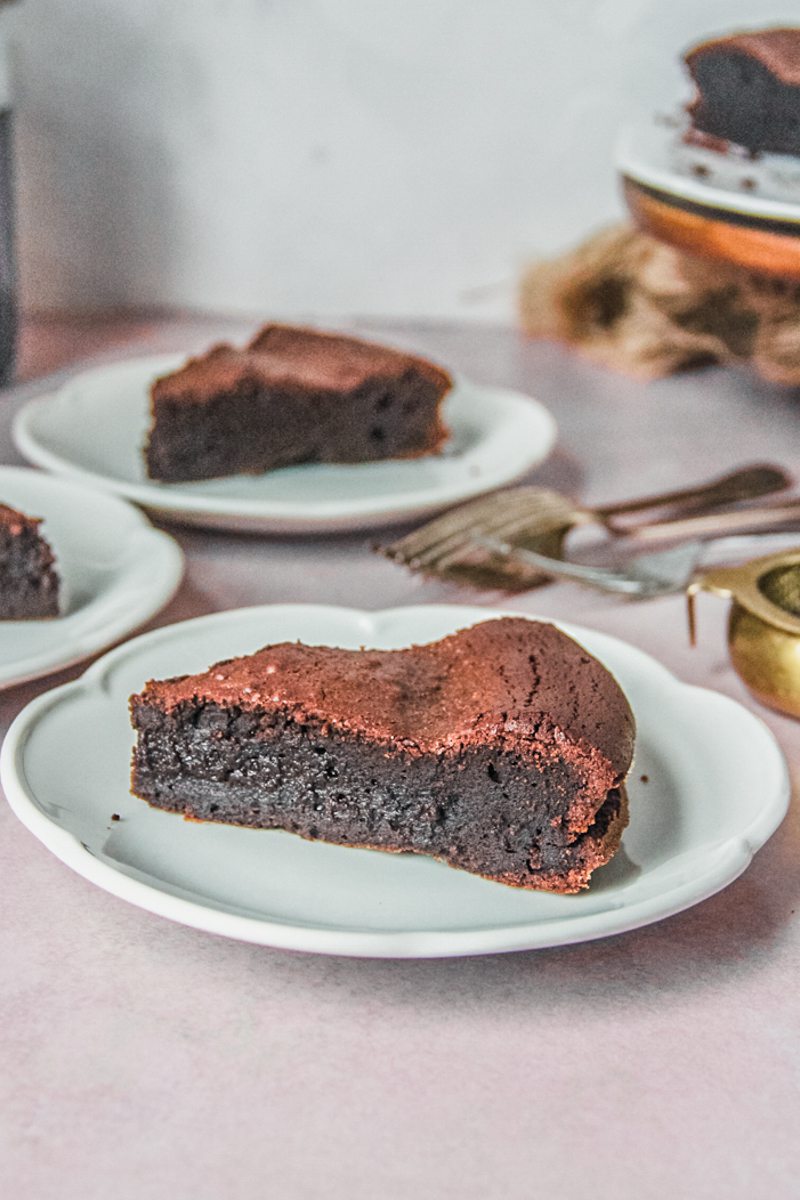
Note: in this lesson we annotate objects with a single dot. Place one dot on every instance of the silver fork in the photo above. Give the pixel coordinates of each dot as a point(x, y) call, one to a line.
point(539, 518)
point(644, 575)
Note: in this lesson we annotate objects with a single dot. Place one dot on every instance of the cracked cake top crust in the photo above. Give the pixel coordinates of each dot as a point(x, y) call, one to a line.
point(293, 356)
point(519, 684)
point(778, 51)
point(14, 521)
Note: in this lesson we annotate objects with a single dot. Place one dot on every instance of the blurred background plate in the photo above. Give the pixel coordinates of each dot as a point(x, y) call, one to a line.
point(720, 205)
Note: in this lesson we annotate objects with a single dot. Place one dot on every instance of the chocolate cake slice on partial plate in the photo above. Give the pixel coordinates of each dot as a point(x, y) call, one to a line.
point(748, 90)
point(29, 584)
point(502, 749)
point(293, 396)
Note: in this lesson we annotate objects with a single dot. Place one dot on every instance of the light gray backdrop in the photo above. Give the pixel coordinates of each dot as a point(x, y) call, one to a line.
point(335, 157)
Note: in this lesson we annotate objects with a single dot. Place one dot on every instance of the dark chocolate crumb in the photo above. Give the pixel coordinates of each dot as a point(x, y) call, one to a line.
point(645, 778)
point(116, 817)
point(701, 170)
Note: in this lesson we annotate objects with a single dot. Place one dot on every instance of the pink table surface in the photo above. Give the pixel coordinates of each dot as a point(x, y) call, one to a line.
point(142, 1059)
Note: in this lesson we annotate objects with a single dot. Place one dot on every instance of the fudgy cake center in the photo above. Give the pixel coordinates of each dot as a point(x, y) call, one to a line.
point(501, 749)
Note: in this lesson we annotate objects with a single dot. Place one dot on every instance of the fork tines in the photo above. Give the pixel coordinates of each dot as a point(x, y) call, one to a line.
point(449, 541)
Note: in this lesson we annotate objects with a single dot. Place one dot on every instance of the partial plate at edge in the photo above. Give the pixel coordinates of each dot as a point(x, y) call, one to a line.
point(116, 572)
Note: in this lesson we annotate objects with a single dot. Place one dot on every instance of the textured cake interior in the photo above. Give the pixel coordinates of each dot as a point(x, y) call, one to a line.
point(484, 811)
point(250, 428)
point(291, 397)
point(28, 581)
point(414, 753)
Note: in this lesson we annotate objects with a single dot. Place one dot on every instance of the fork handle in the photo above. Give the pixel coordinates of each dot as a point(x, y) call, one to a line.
point(747, 483)
point(725, 524)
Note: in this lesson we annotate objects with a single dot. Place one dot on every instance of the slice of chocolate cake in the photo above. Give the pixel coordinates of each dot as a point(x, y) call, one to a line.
point(748, 90)
point(502, 750)
point(293, 396)
point(28, 580)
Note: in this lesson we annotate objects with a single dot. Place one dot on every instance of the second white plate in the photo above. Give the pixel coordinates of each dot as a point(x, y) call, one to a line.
point(93, 429)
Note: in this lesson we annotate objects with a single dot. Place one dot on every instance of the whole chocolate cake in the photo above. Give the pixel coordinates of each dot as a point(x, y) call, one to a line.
point(29, 584)
point(293, 396)
point(502, 749)
point(748, 90)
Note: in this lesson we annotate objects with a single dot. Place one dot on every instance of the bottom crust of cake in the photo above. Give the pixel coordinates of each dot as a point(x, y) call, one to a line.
point(581, 859)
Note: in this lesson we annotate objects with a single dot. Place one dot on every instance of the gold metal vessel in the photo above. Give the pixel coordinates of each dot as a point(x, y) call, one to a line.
point(763, 624)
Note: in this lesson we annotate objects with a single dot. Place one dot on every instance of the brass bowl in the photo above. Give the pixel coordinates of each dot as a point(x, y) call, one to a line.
point(763, 625)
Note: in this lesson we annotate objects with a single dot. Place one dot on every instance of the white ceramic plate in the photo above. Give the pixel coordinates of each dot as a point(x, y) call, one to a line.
point(765, 191)
point(116, 571)
point(717, 789)
point(93, 429)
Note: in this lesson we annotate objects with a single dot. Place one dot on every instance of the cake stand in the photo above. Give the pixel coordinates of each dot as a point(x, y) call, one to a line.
point(718, 203)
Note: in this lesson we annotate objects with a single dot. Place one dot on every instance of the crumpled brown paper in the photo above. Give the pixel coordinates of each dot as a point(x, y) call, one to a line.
point(642, 307)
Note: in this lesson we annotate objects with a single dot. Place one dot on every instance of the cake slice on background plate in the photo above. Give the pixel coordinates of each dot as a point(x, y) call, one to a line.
point(293, 396)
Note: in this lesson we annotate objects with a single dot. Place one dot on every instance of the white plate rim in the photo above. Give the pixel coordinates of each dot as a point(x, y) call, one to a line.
point(165, 556)
point(173, 501)
point(723, 863)
point(633, 162)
